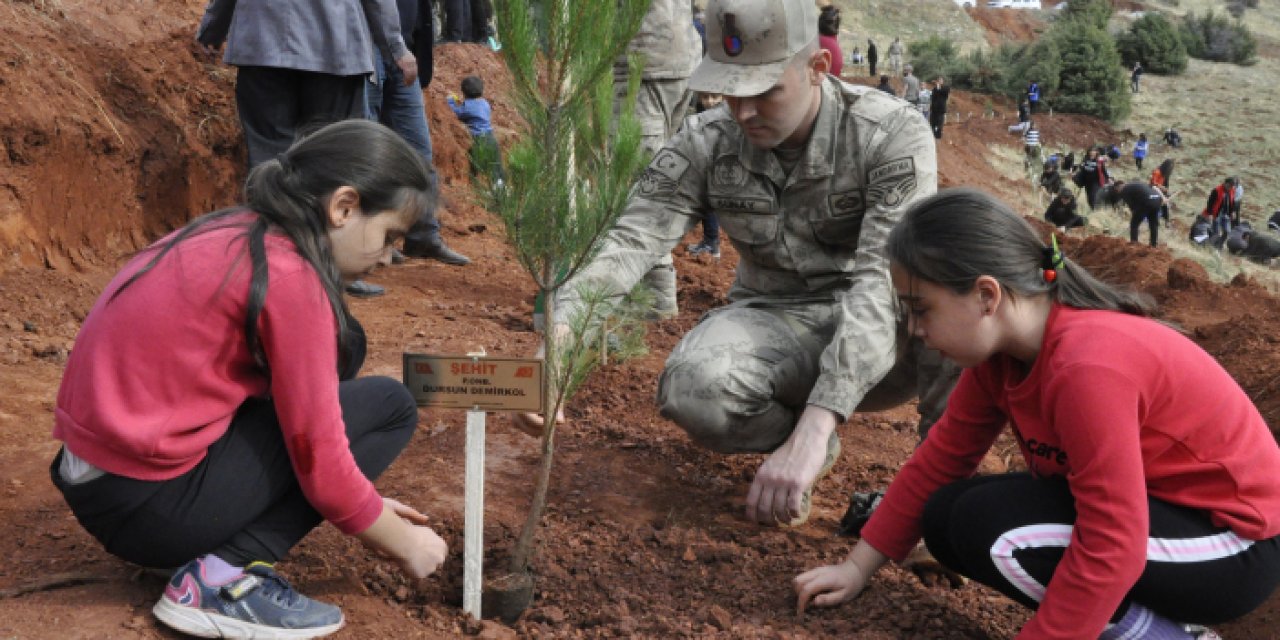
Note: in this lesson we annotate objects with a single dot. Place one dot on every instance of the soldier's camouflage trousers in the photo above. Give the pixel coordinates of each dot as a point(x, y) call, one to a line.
point(739, 380)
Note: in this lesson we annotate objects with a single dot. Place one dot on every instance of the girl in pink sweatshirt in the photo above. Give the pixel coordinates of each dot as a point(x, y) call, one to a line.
point(1151, 494)
point(209, 413)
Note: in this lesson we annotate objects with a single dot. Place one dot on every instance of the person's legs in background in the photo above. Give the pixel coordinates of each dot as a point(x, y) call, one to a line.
point(457, 21)
point(266, 101)
point(400, 107)
point(710, 243)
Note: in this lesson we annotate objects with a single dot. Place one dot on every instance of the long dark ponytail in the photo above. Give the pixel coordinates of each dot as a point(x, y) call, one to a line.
point(288, 195)
point(956, 235)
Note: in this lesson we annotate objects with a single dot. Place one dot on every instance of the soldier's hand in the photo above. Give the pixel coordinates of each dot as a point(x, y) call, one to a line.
point(532, 423)
point(777, 491)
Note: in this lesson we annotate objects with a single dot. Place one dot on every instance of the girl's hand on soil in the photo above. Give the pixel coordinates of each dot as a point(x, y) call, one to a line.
point(399, 535)
point(427, 552)
point(829, 586)
point(413, 516)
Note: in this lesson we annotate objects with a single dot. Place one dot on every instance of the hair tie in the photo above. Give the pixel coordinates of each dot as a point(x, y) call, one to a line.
point(1053, 260)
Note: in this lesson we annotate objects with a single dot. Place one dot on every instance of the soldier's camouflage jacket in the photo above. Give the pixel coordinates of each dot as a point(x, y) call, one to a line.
point(818, 235)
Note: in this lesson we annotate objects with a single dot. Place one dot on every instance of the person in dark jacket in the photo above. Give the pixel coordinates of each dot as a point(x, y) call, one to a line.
point(1068, 163)
point(938, 106)
point(1033, 96)
point(1092, 175)
point(1051, 178)
point(1259, 247)
point(885, 86)
point(872, 57)
point(1062, 211)
point(1143, 201)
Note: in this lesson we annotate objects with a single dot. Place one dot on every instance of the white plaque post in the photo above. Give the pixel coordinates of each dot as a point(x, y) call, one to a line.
point(473, 527)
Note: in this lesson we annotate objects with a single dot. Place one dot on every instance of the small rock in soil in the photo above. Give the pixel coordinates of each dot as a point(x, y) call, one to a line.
point(490, 630)
point(719, 618)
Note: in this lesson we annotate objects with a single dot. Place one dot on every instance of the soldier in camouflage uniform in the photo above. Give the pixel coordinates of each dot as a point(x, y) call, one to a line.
point(670, 48)
point(808, 175)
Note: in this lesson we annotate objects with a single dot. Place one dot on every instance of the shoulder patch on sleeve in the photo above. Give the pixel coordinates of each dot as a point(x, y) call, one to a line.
point(892, 182)
point(670, 163)
point(662, 177)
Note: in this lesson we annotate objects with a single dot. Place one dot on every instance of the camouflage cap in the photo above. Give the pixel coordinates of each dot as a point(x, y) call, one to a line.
point(750, 43)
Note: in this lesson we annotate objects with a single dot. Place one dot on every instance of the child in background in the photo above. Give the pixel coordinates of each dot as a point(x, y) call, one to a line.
point(1140, 150)
point(209, 413)
point(1031, 146)
point(1143, 503)
point(475, 112)
point(710, 243)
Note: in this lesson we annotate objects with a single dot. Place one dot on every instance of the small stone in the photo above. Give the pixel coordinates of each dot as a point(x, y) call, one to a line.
point(29, 327)
point(490, 630)
point(719, 618)
point(551, 615)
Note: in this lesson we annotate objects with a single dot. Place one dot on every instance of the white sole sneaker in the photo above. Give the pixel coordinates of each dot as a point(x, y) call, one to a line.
point(207, 624)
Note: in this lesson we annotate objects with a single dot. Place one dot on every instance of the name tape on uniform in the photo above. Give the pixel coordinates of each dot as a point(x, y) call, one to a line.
point(466, 382)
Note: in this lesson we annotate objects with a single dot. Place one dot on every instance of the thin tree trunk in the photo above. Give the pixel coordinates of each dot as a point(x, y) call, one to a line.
point(550, 405)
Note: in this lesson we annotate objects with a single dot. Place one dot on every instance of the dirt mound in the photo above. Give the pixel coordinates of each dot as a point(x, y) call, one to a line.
point(1007, 25)
point(112, 130)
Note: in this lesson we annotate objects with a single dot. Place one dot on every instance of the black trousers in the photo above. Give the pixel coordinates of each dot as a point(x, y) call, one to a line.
point(1152, 216)
point(275, 105)
point(979, 525)
point(458, 22)
point(936, 122)
point(243, 501)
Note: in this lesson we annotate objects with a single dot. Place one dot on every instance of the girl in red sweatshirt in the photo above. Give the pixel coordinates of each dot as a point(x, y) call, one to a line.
point(209, 413)
point(1143, 504)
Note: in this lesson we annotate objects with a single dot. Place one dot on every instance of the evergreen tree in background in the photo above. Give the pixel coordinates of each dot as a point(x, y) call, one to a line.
point(931, 57)
point(1216, 37)
point(1091, 79)
point(1093, 12)
point(1155, 42)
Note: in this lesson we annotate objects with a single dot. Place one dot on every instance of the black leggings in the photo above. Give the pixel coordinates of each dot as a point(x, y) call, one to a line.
point(1152, 216)
point(243, 501)
point(974, 527)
